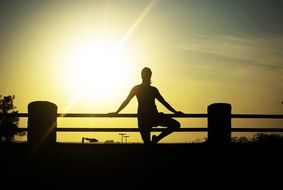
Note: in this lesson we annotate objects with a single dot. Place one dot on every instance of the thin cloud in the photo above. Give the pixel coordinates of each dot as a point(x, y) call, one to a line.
point(265, 52)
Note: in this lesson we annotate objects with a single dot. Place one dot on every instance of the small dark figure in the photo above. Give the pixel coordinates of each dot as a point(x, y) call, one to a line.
point(89, 139)
point(148, 115)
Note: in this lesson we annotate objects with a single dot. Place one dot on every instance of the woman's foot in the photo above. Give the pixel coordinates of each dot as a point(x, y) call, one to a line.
point(154, 139)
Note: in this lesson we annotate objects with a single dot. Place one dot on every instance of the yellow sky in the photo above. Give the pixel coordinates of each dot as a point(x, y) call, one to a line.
point(85, 57)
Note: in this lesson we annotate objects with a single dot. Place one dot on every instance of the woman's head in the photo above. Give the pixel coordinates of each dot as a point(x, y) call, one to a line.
point(146, 75)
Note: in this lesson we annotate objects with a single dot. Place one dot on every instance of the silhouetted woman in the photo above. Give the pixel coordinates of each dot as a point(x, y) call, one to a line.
point(148, 115)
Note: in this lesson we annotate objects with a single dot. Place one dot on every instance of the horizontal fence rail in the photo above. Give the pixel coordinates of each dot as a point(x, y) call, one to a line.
point(77, 129)
point(191, 129)
point(196, 115)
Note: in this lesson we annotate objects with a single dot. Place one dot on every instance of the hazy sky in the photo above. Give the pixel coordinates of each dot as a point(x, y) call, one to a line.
point(86, 55)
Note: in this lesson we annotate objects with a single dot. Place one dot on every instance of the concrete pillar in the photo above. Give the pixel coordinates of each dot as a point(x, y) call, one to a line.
point(42, 123)
point(219, 123)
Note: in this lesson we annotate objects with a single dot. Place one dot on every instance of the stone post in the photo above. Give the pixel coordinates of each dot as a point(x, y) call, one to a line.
point(219, 123)
point(42, 123)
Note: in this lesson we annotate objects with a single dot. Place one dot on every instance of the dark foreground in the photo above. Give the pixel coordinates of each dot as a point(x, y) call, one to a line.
point(136, 166)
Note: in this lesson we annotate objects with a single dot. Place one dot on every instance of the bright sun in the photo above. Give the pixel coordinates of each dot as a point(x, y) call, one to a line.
point(97, 67)
point(96, 60)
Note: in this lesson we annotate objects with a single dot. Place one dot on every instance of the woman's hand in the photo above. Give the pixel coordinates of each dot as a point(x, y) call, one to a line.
point(111, 114)
point(179, 113)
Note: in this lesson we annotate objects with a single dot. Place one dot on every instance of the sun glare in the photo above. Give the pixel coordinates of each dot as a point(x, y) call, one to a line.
point(98, 67)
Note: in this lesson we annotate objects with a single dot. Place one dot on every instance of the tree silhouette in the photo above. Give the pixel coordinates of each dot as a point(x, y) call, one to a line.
point(8, 121)
point(263, 138)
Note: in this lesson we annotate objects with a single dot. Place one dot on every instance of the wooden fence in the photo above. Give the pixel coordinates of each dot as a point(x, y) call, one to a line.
point(42, 122)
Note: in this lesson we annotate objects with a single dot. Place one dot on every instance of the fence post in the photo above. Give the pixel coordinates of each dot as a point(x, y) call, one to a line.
point(42, 123)
point(219, 123)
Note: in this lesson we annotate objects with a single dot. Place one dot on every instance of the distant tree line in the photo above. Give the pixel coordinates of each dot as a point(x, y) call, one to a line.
point(260, 138)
